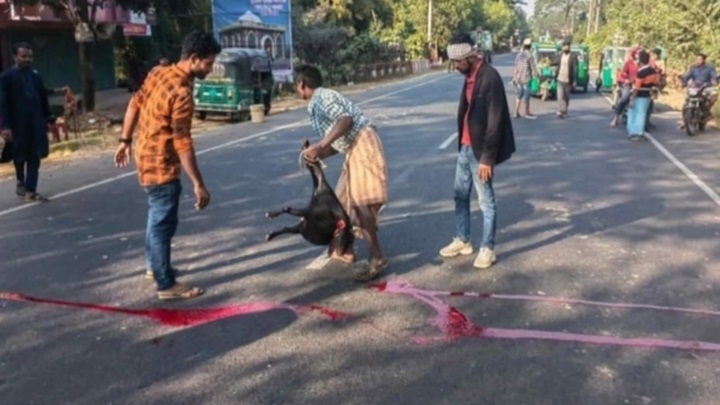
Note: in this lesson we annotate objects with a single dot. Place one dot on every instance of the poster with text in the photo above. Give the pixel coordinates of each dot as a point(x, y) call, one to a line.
point(257, 24)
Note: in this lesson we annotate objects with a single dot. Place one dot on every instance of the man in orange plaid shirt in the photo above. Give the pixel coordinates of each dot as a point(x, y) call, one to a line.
point(163, 111)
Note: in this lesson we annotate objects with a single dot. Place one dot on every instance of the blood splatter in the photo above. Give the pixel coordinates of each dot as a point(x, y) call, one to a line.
point(183, 317)
point(454, 324)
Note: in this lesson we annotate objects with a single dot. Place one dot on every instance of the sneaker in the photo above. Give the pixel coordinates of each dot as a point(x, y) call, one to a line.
point(530, 116)
point(457, 248)
point(485, 258)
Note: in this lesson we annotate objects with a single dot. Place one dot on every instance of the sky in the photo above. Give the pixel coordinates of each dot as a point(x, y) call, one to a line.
point(529, 7)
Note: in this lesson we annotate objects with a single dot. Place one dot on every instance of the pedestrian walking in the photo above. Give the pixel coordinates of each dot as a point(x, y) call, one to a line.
point(525, 69)
point(566, 73)
point(362, 187)
point(26, 115)
point(163, 110)
point(485, 141)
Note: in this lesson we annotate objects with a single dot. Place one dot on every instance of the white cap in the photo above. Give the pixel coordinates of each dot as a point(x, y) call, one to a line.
point(527, 41)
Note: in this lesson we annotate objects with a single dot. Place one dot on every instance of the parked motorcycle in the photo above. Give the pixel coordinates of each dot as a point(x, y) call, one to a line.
point(695, 113)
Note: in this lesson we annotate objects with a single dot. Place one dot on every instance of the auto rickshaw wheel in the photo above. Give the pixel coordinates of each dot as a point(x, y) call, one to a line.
point(585, 88)
point(598, 85)
point(201, 115)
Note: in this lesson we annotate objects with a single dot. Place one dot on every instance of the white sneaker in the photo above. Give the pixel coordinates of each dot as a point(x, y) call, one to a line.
point(485, 258)
point(457, 248)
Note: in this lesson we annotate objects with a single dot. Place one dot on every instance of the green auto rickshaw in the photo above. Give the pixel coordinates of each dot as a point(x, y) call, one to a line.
point(582, 77)
point(611, 62)
point(546, 86)
point(240, 78)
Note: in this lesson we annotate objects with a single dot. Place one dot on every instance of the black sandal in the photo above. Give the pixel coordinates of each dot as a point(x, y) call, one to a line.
point(372, 270)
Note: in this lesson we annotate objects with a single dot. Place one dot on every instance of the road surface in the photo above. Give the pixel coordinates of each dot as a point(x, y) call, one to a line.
point(583, 213)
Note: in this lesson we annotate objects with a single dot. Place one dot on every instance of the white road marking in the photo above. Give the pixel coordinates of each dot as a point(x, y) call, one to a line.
point(216, 147)
point(448, 141)
point(680, 165)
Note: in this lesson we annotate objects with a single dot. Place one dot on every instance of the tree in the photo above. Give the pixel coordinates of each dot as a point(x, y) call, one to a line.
point(82, 14)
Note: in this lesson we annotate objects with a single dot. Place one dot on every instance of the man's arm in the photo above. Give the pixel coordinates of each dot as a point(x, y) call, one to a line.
point(713, 76)
point(181, 121)
point(45, 103)
point(5, 102)
point(494, 131)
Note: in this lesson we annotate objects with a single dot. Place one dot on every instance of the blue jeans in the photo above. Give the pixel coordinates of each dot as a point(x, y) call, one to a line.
point(27, 173)
point(466, 175)
point(624, 100)
point(162, 222)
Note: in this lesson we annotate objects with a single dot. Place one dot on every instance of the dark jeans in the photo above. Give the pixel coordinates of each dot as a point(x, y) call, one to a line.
point(162, 222)
point(27, 172)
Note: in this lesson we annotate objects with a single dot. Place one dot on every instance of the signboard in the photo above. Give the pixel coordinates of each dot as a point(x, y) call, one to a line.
point(137, 30)
point(137, 25)
point(257, 24)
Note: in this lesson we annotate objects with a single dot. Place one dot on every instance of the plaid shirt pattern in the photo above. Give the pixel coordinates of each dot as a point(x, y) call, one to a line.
point(525, 67)
point(326, 107)
point(165, 101)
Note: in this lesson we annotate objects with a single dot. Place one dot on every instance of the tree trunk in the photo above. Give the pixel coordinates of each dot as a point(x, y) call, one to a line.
point(87, 75)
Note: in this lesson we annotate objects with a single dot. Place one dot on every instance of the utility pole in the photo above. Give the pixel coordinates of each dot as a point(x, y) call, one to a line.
point(429, 24)
point(597, 15)
point(589, 19)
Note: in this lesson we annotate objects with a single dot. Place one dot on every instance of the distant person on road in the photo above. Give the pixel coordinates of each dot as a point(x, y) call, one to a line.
point(25, 118)
point(565, 74)
point(525, 69)
point(625, 80)
point(163, 111)
point(646, 79)
point(485, 140)
point(362, 187)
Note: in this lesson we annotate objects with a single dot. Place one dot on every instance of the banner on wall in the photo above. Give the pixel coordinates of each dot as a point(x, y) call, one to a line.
point(257, 24)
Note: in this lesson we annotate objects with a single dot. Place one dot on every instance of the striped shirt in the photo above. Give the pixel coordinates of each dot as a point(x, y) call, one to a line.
point(165, 101)
point(326, 107)
point(646, 78)
point(525, 67)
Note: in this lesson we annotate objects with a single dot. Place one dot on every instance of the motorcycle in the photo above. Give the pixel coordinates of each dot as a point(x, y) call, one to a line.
point(695, 113)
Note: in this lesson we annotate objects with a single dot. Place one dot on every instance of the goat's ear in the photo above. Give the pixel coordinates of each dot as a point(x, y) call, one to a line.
point(305, 143)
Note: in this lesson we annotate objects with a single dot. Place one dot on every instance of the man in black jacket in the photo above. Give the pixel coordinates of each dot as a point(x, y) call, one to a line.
point(565, 73)
point(485, 140)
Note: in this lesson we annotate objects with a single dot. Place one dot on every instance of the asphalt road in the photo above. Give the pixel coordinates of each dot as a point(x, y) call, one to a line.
point(583, 213)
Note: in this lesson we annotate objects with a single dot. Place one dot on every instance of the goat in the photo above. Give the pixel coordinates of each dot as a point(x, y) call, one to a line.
point(324, 222)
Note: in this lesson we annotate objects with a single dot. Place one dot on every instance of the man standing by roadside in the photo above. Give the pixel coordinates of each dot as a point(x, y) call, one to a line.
point(525, 69)
point(163, 109)
point(362, 187)
point(25, 117)
point(566, 64)
point(486, 140)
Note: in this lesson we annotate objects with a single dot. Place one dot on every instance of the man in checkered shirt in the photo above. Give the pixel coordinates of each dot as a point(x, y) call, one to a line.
point(362, 187)
point(162, 109)
point(525, 69)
